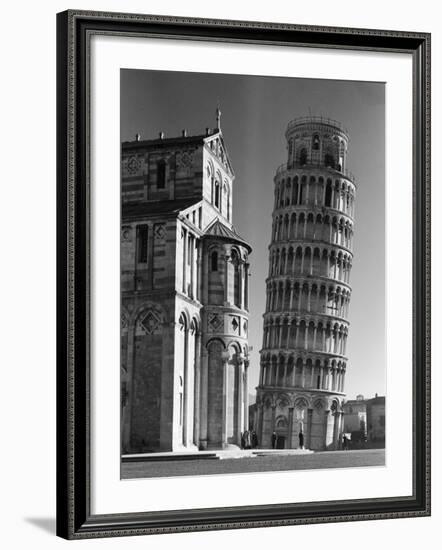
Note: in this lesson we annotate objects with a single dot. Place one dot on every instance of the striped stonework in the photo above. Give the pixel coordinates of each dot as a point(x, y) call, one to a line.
point(184, 304)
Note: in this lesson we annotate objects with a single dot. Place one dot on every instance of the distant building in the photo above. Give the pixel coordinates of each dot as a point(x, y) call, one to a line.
point(355, 417)
point(364, 420)
point(376, 420)
point(184, 297)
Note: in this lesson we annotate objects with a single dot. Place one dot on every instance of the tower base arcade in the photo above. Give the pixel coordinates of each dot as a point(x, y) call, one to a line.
point(299, 419)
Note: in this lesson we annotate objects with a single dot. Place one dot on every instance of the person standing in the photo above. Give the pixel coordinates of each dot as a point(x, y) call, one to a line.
point(274, 440)
point(301, 440)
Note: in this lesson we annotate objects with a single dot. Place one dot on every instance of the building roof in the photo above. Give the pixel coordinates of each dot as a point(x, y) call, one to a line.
point(378, 400)
point(219, 230)
point(153, 208)
point(165, 141)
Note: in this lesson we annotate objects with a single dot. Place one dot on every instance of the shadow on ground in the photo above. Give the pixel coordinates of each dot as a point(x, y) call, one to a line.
point(46, 524)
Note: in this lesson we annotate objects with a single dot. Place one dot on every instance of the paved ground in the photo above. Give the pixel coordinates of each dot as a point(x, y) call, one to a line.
point(327, 459)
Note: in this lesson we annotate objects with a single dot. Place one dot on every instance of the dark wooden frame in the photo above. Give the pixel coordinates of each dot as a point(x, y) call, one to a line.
point(74, 520)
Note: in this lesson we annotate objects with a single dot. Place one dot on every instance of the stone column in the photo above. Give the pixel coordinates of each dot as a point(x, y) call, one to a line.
point(312, 377)
point(192, 265)
point(240, 402)
point(246, 287)
point(197, 385)
point(199, 271)
point(242, 282)
point(290, 429)
point(321, 377)
point(225, 411)
point(184, 261)
point(150, 257)
point(130, 385)
point(226, 280)
point(246, 395)
point(308, 442)
point(336, 415)
point(326, 417)
point(185, 432)
point(203, 400)
point(289, 329)
point(259, 427)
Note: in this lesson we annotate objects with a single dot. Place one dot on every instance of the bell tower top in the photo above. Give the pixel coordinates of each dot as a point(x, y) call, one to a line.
point(317, 141)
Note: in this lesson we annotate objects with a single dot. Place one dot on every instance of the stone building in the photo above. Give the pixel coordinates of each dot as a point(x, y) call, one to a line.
point(184, 297)
point(376, 421)
point(303, 357)
point(364, 419)
point(355, 419)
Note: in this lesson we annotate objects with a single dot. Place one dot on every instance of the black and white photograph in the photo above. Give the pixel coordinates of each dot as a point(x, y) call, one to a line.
point(222, 216)
point(252, 274)
point(243, 275)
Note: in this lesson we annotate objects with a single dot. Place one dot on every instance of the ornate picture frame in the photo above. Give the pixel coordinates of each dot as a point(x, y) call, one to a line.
point(75, 519)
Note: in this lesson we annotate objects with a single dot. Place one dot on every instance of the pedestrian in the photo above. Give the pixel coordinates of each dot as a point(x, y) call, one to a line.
point(301, 440)
point(274, 440)
point(254, 440)
point(243, 443)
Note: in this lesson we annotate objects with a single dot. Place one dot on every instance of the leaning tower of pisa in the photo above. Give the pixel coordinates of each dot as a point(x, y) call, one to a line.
point(303, 357)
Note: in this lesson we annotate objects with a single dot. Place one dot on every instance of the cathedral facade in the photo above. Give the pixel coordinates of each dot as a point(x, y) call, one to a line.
point(303, 358)
point(184, 297)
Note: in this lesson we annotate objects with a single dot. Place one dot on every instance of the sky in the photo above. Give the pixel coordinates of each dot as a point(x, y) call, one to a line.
point(255, 113)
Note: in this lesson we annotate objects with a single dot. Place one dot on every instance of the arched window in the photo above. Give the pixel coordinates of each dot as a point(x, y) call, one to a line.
point(302, 189)
point(217, 194)
point(288, 192)
point(214, 261)
point(295, 190)
point(184, 344)
point(303, 157)
point(328, 194)
point(161, 174)
point(329, 160)
point(316, 142)
point(281, 197)
point(236, 279)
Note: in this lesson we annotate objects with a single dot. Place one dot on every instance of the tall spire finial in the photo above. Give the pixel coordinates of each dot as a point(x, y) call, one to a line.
point(218, 117)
